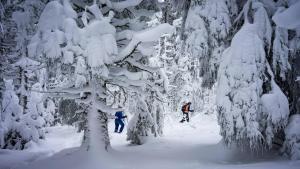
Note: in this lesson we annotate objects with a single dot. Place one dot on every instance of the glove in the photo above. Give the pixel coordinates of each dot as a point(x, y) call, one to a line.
point(125, 116)
point(191, 110)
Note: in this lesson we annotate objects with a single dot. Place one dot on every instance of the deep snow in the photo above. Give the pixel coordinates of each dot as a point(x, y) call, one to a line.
point(184, 146)
point(58, 138)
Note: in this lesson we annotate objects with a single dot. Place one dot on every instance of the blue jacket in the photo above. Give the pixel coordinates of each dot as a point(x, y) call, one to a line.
point(119, 115)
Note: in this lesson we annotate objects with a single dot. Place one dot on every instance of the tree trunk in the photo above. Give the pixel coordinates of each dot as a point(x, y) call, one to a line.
point(98, 138)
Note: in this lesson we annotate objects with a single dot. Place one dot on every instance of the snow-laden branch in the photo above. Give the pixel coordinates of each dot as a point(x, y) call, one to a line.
point(104, 108)
point(126, 34)
point(122, 84)
point(121, 5)
point(149, 35)
point(26, 62)
point(71, 90)
point(288, 18)
point(136, 64)
point(244, 12)
point(58, 94)
point(124, 72)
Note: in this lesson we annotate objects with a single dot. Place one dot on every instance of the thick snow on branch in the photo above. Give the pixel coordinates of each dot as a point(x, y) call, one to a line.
point(276, 106)
point(26, 62)
point(149, 35)
point(121, 5)
point(290, 18)
point(126, 73)
point(141, 66)
point(96, 11)
point(56, 26)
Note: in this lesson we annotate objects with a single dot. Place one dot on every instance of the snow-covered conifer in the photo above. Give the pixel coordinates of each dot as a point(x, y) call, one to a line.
point(140, 125)
point(11, 114)
point(32, 119)
point(100, 59)
point(246, 87)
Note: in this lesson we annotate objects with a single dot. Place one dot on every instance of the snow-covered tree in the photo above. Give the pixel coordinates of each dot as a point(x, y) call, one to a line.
point(7, 39)
point(101, 58)
point(207, 27)
point(140, 125)
point(11, 112)
point(251, 106)
point(19, 18)
point(33, 119)
point(18, 24)
point(287, 69)
point(20, 128)
point(30, 121)
point(25, 68)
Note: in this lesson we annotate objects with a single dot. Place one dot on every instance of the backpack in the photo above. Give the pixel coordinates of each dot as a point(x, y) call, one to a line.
point(185, 108)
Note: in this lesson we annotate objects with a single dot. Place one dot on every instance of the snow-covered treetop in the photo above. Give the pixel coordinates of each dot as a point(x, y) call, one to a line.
point(53, 15)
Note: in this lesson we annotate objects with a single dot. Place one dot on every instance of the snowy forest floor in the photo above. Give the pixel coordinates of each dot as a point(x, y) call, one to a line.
point(184, 146)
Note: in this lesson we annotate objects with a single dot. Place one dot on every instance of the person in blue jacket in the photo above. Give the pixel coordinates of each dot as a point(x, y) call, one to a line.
point(119, 121)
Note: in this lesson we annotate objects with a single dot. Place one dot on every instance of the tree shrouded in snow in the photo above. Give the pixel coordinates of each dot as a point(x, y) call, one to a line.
point(251, 106)
point(140, 124)
point(25, 71)
point(35, 111)
point(96, 57)
point(11, 112)
point(19, 127)
point(207, 27)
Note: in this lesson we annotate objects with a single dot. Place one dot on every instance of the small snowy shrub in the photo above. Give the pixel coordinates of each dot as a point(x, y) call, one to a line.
point(11, 114)
point(140, 125)
point(17, 128)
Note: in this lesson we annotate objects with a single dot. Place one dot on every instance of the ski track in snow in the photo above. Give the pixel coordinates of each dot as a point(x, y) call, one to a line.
point(193, 145)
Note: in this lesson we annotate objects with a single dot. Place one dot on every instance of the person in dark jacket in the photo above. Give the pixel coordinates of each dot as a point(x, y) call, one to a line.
point(186, 108)
point(119, 121)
